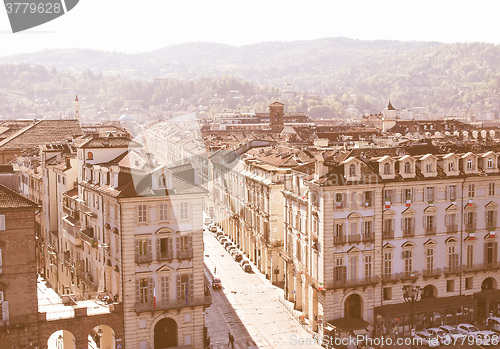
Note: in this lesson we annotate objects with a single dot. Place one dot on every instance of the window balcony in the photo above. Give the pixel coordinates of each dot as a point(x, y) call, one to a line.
point(408, 232)
point(339, 240)
point(451, 229)
point(431, 273)
point(388, 234)
point(470, 227)
point(395, 277)
point(369, 237)
point(173, 304)
point(475, 268)
point(141, 258)
point(86, 209)
point(452, 270)
point(166, 256)
point(185, 254)
point(430, 230)
point(354, 238)
point(356, 282)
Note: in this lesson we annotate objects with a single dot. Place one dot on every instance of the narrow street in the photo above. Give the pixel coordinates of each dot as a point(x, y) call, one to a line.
point(246, 306)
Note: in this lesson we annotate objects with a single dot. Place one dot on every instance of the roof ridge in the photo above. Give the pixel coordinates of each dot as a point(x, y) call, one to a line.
point(18, 133)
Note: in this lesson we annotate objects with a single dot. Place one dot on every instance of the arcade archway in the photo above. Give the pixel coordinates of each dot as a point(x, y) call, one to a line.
point(352, 306)
point(165, 334)
point(61, 339)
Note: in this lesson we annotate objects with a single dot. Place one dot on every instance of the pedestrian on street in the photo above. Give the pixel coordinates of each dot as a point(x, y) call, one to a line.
point(215, 270)
point(231, 340)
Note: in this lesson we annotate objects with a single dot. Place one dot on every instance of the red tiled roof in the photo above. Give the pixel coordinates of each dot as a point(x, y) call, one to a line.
point(43, 131)
point(11, 199)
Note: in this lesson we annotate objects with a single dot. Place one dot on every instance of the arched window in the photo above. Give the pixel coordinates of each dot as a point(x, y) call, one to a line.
point(90, 156)
point(352, 170)
point(161, 181)
point(470, 164)
point(490, 163)
point(387, 168)
point(407, 167)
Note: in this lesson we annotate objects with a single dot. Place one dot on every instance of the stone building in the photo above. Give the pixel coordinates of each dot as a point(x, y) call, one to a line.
point(383, 218)
point(18, 272)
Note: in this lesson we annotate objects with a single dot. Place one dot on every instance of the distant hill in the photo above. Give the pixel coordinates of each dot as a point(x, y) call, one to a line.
point(430, 74)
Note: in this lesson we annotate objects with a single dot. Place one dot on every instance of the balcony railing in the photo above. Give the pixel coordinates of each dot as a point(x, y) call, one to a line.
point(388, 234)
point(354, 238)
point(481, 267)
point(428, 273)
point(368, 237)
point(88, 279)
point(166, 256)
point(170, 304)
point(87, 235)
point(452, 270)
point(452, 229)
point(356, 282)
point(408, 232)
point(70, 212)
point(470, 227)
point(391, 277)
point(143, 258)
point(185, 254)
point(491, 226)
point(430, 230)
point(68, 262)
point(409, 275)
point(339, 240)
point(86, 209)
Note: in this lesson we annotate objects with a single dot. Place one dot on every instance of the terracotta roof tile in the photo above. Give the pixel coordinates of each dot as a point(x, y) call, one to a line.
point(11, 199)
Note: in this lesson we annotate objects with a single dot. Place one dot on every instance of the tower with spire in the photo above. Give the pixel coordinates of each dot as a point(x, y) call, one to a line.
point(76, 107)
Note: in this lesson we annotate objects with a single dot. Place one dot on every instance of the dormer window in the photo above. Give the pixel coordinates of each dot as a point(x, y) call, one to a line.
point(162, 181)
point(352, 170)
point(428, 167)
point(387, 169)
point(490, 163)
point(407, 167)
point(451, 166)
point(90, 156)
point(470, 164)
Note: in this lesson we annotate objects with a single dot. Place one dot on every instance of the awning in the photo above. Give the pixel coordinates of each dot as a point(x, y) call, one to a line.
point(348, 324)
point(425, 306)
point(490, 295)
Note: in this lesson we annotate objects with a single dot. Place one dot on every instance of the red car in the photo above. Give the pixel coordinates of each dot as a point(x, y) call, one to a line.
point(216, 284)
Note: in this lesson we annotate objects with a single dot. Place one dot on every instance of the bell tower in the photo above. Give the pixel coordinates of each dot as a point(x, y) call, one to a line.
point(76, 107)
point(276, 111)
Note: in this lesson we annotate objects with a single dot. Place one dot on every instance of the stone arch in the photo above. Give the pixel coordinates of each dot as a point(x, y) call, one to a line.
point(429, 291)
point(165, 333)
point(353, 306)
point(102, 337)
point(489, 284)
point(62, 339)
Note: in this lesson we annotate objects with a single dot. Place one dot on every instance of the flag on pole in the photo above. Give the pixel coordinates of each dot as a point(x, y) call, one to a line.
point(154, 296)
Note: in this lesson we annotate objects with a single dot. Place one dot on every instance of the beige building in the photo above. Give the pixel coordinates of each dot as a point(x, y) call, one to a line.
point(383, 218)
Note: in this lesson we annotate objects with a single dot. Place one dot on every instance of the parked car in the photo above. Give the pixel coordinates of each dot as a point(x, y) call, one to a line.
point(220, 237)
point(238, 257)
point(207, 220)
point(243, 262)
point(234, 251)
point(493, 323)
point(216, 283)
point(442, 336)
point(468, 330)
point(227, 244)
point(212, 228)
point(485, 337)
point(455, 334)
point(427, 339)
point(247, 268)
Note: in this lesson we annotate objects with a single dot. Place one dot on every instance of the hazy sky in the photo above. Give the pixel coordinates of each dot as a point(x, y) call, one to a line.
point(144, 25)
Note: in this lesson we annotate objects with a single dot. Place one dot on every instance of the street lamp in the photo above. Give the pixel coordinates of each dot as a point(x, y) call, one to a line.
point(411, 294)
